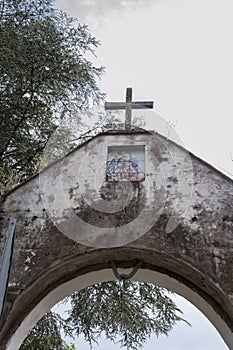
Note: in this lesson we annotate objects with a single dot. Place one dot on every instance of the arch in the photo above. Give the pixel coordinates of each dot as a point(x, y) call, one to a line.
point(52, 249)
point(98, 271)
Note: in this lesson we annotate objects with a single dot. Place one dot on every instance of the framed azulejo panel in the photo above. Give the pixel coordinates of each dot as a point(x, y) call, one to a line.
point(126, 163)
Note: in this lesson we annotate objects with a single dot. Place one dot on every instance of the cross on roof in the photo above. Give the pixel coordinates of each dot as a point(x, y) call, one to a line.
point(128, 105)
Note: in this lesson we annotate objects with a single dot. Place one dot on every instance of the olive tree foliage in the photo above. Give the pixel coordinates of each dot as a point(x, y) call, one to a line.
point(44, 77)
point(124, 312)
point(46, 335)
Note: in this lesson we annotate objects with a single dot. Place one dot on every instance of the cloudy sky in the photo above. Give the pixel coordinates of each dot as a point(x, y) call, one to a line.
point(200, 336)
point(176, 52)
point(179, 54)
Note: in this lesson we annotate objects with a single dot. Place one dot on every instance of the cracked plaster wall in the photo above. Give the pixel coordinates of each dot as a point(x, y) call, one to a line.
point(179, 221)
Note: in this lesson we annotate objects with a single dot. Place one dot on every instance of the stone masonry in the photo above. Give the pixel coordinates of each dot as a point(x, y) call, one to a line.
point(71, 221)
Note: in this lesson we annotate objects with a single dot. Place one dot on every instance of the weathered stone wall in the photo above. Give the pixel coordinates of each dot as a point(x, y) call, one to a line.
point(70, 221)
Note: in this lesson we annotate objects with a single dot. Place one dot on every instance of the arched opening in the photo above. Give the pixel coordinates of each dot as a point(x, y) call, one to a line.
point(103, 274)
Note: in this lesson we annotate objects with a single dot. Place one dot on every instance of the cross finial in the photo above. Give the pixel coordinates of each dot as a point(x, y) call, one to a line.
point(128, 106)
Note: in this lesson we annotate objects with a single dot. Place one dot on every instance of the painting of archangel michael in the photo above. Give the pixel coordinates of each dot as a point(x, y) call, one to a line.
point(126, 163)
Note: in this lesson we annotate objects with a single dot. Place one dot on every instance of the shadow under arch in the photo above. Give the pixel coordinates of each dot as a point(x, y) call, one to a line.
point(46, 291)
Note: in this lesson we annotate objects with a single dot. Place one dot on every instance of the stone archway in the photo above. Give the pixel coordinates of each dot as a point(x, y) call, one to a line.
point(165, 278)
point(178, 221)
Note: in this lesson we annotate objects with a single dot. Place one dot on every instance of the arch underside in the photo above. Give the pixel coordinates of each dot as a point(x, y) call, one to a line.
point(80, 271)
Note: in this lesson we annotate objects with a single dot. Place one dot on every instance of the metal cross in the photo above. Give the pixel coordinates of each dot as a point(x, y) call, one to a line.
point(128, 105)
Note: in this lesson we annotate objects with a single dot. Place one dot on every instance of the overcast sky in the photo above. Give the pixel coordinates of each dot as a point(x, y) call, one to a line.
point(200, 336)
point(178, 53)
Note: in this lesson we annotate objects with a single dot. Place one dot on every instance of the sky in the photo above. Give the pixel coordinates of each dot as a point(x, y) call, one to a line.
point(179, 54)
point(200, 336)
